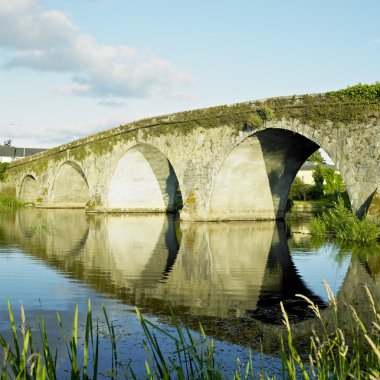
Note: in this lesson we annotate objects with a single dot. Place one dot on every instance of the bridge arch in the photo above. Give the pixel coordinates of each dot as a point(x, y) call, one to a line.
point(254, 178)
point(70, 188)
point(143, 181)
point(29, 189)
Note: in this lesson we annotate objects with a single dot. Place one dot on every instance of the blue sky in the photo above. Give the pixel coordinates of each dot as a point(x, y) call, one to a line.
point(69, 68)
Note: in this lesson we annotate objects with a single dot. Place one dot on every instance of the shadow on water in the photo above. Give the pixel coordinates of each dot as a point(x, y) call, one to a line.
point(216, 271)
point(282, 276)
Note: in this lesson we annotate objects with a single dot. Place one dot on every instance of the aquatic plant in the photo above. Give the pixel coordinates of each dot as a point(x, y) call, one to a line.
point(9, 203)
point(337, 350)
point(344, 225)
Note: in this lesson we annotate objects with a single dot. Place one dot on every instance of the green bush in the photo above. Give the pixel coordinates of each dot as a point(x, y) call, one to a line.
point(299, 191)
point(9, 203)
point(345, 225)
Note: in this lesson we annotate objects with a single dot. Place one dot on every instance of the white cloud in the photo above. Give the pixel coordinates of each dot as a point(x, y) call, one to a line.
point(46, 40)
point(73, 88)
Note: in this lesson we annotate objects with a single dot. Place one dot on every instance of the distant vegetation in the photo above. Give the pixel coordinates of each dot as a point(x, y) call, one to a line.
point(316, 157)
point(327, 184)
point(328, 197)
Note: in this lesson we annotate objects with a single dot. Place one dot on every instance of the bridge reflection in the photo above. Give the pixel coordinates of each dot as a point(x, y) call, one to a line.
point(232, 269)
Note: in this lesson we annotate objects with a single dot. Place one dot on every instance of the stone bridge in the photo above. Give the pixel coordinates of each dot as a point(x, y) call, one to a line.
point(233, 162)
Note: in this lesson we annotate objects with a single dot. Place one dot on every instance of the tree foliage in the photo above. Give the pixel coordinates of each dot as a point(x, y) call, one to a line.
point(299, 191)
point(333, 182)
point(316, 157)
point(318, 188)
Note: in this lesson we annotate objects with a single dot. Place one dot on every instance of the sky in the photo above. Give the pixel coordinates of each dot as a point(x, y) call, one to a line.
point(70, 68)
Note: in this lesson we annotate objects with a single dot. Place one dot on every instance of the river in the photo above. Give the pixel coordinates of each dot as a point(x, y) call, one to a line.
point(230, 276)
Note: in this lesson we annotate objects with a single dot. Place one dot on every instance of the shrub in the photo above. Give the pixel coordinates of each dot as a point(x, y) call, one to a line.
point(345, 225)
point(9, 203)
point(299, 191)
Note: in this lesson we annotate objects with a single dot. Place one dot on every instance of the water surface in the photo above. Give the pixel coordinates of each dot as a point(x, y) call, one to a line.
point(231, 272)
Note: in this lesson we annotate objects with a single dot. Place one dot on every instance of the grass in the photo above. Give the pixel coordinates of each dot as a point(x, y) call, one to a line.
point(338, 351)
point(319, 205)
point(9, 203)
point(344, 225)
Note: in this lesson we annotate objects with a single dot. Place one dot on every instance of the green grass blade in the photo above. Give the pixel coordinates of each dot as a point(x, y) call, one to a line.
point(86, 340)
point(111, 331)
point(14, 332)
point(74, 346)
point(9, 357)
point(23, 366)
point(50, 362)
point(96, 358)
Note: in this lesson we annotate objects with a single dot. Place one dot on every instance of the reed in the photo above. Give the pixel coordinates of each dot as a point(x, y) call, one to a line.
point(343, 349)
point(344, 225)
point(335, 351)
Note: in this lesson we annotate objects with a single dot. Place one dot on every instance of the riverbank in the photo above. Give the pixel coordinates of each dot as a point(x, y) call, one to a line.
point(316, 206)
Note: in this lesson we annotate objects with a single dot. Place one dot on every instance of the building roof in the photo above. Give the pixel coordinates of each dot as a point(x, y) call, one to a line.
point(11, 151)
point(311, 166)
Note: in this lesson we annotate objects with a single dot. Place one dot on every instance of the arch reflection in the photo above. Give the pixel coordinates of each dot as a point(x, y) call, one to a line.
point(237, 269)
point(230, 269)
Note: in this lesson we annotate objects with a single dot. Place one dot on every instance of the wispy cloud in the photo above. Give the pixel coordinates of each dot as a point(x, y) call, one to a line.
point(40, 135)
point(47, 40)
point(113, 102)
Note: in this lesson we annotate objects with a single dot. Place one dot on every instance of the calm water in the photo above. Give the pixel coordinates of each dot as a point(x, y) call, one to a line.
point(222, 273)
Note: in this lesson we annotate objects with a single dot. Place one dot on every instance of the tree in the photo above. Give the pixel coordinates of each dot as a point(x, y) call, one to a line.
point(329, 177)
point(317, 189)
point(299, 190)
point(317, 157)
point(333, 181)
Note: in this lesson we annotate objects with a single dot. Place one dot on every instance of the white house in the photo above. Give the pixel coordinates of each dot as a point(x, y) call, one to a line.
point(306, 171)
point(10, 153)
